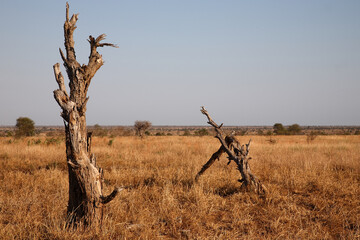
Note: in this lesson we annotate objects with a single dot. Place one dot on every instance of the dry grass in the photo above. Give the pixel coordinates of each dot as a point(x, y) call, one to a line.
point(313, 189)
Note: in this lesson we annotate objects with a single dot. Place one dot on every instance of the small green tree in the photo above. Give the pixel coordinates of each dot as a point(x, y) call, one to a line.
point(24, 127)
point(294, 129)
point(279, 129)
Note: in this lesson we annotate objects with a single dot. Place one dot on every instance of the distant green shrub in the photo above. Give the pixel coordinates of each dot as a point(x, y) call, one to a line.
point(9, 134)
point(186, 133)
point(24, 127)
point(201, 132)
point(279, 129)
point(294, 129)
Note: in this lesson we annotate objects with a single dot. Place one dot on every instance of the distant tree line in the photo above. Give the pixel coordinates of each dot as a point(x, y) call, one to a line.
point(26, 127)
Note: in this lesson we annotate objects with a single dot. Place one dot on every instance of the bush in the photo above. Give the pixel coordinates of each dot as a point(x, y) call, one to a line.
point(24, 127)
point(294, 129)
point(8, 134)
point(186, 133)
point(279, 129)
point(269, 133)
point(311, 136)
point(202, 132)
point(141, 127)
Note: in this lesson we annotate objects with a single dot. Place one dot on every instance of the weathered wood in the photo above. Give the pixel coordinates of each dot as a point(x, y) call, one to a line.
point(216, 155)
point(229, 140)
point(86, 199)
point(238, 154)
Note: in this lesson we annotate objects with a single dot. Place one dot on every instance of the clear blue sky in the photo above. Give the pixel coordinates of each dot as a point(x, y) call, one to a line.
point(247, 62)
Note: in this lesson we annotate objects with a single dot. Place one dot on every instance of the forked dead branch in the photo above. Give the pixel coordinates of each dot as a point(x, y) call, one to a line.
point(237, 153)
point(86, 199)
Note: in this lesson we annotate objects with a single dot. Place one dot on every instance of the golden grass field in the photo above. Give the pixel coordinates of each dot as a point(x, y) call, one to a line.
point(313, 189)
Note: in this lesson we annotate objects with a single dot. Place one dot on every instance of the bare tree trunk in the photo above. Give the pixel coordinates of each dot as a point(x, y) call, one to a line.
point(86, 199)
point(238, 154)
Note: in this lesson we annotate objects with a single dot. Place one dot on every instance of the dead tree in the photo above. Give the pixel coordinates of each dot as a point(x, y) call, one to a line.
point(86, 200)
point(237, 153)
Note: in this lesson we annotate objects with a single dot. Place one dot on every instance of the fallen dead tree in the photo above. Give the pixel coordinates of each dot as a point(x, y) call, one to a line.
point(237, 153)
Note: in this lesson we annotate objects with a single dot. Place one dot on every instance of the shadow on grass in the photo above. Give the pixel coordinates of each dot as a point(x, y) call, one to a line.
point(186, 184)
point(227, 190)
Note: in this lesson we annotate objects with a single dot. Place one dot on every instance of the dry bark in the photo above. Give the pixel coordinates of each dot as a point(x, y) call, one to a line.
point(238, 154)
point(216, 155)
point(86, 200)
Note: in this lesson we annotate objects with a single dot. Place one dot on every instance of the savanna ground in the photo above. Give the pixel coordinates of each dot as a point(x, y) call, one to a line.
point(313, 189)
